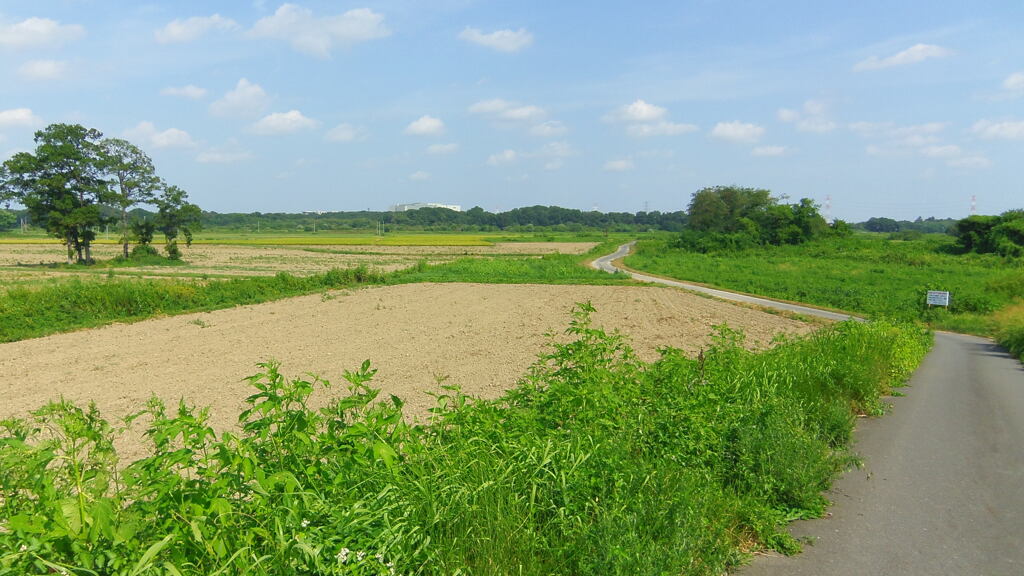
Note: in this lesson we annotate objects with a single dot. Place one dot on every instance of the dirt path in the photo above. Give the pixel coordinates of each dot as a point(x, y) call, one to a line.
point(481, 337)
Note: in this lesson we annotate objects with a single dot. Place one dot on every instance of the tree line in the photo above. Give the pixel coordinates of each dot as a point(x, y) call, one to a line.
point(476, 219)
point(76, 181)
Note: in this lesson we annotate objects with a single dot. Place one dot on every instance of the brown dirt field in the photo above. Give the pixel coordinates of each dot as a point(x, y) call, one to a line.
point(481, 337)
point(219, 259)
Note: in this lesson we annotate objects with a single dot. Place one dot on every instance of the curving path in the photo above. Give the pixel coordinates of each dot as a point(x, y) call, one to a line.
point(607, 264)
point(942, 486)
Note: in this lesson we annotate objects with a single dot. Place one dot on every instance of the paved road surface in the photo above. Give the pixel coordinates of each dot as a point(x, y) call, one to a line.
point(942, 487)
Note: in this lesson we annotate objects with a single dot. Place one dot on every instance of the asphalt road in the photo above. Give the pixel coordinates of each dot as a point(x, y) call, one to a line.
point(942, 486)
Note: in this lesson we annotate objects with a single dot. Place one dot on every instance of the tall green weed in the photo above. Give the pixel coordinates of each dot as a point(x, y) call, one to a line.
point(596, 463)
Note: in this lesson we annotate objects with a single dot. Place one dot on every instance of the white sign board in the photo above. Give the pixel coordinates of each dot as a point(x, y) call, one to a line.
point(938, 298)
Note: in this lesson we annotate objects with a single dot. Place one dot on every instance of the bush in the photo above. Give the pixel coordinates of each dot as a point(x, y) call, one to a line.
point(143, 251)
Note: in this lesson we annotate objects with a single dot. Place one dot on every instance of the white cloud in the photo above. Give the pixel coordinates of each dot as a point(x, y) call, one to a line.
point(222, 156)
point(737, 132)
point(146, 135)
point(38, 32)
point(660, 129)
point(557, 150)
point(247, 99)
point(1014, 84)
point(283, 123)
point(440, 149)
point(941, 151)
point(529, 113)
point(190, 29)
point(43, 69)
point(343, 133)
point(819, 125)
point(500, 40)
point(19, 118)
point(503, 157)
point(768, 151)
point(619, 165)
point(896, 136)
point(549, 129)
point(788, 115)
point(419, 176)
point(976, 161)
point(1006, 130)
point(646, 119)
point(913, 55)
point(318, 36)
point(638, 111)
point(493, 106)
point(425, 126)
point(190, 92)
point(499, 109)
point(555, 164)
point(812, 118)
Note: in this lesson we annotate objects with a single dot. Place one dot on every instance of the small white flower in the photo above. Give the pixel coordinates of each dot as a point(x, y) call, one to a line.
point(343, 555)
point(379, 557)
point(360, 555)
point(305, 523)
point(22, 548)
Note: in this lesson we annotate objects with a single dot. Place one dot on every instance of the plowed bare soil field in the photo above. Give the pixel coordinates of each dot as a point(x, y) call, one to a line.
point(220, 259)
point(479, 337)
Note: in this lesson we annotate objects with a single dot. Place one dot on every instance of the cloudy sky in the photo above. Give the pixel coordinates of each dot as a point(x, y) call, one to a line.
point(894, 108)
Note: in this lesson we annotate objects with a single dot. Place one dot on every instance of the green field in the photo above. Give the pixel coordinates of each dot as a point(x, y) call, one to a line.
point(868, 275)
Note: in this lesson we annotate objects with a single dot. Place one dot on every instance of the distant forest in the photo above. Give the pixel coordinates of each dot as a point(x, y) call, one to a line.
point(477, 219)
point(923, 225)
point(442, 219)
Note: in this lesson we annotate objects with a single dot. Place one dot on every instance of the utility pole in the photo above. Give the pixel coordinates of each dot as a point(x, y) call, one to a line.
point(316, 215)
point(828, 208)
point(974, 204)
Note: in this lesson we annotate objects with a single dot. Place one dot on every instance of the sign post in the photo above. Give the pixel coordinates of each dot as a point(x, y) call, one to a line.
point(938, 298)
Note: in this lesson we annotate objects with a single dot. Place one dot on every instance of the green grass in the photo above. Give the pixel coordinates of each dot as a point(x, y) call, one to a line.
point(97, 296)
point(1009, 328)
point(864, 275)
point(597, 463)
point(547, 269)
point(28, 312)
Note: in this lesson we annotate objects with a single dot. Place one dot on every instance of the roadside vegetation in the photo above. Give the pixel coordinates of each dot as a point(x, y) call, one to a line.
point(597, 463)
point(733, 241)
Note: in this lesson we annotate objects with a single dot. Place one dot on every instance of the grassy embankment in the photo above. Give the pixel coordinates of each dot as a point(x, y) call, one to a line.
point(597, 463)
point(30, 310)
point(868, 275)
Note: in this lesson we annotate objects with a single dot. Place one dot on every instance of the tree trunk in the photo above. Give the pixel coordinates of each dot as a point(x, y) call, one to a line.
point(71, 249)
point(124, 230)
point(88, 252)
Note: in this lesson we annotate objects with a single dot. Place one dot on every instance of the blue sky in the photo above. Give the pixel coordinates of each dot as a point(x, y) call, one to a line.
point(899, 109)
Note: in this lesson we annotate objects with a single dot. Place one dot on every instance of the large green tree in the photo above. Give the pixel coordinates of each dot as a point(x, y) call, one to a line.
point(723, 208)
point(133, 181)
point(176, 216)
point(733, 218)
point(61, 184)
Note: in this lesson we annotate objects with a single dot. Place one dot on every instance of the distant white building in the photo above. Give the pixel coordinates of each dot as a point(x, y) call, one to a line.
point(418, 205)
